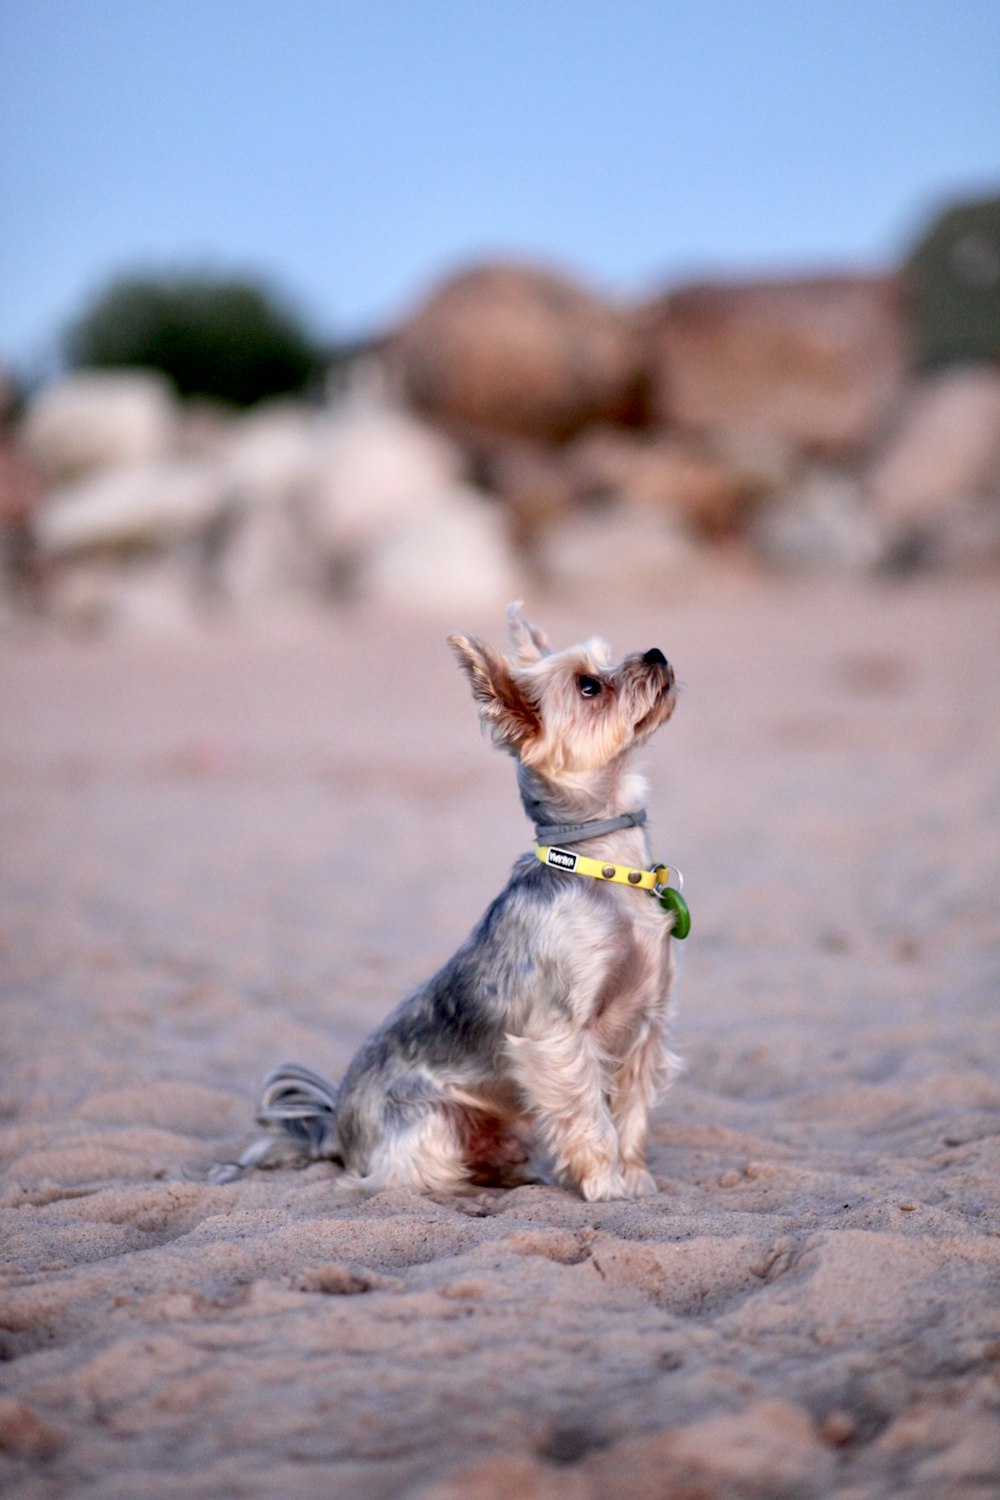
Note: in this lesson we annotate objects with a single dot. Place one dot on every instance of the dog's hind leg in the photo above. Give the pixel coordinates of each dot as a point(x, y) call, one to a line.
point(423, 1150)
point(562, 1077)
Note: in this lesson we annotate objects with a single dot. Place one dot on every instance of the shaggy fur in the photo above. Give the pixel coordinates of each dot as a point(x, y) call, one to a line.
point(546, 1030)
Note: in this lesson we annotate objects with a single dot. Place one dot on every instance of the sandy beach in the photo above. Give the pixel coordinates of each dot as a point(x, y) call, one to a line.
point(224, 850)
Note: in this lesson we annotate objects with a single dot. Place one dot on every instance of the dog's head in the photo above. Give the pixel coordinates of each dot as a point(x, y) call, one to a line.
point(570, 712)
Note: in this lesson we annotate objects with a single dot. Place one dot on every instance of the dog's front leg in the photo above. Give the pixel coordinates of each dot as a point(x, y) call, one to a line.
point(636, 1083)
point(562, 1076)
point(634, 1088)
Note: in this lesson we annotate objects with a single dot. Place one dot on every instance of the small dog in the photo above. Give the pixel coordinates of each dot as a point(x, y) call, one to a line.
point(547, 1029)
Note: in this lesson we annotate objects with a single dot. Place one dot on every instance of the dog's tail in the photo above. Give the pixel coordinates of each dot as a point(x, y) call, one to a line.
point(299, 1109)
point(299, 1103)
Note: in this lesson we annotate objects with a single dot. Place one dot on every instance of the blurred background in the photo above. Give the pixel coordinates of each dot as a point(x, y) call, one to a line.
point(437, 304)
point(327, 326)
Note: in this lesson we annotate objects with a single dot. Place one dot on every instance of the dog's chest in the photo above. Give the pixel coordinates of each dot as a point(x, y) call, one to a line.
point(635, 985)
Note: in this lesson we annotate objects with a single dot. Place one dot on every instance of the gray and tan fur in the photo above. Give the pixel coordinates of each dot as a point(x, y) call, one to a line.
point(547, 1029)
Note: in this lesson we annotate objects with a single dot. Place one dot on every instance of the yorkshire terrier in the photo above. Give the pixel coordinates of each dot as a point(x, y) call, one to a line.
point(546, 1032)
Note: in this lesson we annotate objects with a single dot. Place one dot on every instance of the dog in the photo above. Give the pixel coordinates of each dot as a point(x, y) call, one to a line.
point(547, 1031)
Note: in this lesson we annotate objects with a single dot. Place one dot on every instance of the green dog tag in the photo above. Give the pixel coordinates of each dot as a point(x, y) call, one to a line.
point(672, 900)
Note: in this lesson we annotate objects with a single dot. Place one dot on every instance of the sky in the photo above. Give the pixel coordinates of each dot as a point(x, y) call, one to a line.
point(351, 153)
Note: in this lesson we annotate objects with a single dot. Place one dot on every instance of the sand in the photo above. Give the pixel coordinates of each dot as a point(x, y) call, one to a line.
point(223, 851)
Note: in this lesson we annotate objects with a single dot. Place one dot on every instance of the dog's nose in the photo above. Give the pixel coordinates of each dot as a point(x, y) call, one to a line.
point(655, 658)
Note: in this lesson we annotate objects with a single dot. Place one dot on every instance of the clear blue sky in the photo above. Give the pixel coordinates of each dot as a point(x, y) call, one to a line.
point(352, 151)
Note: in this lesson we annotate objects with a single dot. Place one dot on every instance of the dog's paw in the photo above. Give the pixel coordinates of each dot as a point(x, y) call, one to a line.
point(639, 1183)
point(602, 1186)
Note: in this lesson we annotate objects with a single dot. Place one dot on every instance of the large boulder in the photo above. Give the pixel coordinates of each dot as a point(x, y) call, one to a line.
point(269, 455)
point(390, 519)
point(263, 556)
point(100, 419)
point(262, 561)
point(457, 558)
point(138, 508)
point(516, 349)
point(376, 472)
point(817, 362)
point(944, 449)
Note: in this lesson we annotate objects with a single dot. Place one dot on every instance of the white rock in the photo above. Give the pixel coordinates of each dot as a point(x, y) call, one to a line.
point(945, 449)
point(265, 562)
point(141, 505)
point(97, 419)
point(457, 556)
point(378, 472)
point(265, 557)
point(824, 522)
point(270, 454)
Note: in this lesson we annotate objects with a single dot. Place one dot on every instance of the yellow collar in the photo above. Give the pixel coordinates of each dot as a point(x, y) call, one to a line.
point(599, 869)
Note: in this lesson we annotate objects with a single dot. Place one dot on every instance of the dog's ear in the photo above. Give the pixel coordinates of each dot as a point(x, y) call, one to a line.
point(530, 643)
point(511, 717)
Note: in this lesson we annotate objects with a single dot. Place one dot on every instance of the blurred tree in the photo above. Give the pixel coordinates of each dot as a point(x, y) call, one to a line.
point(226, 339)
point(955, 274)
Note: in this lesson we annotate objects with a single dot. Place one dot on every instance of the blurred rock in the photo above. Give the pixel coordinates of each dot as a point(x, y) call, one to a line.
point(378, 472)
point(613, 547)
point(527, 459)
point(532, 479)
point(291, 505)
point(143, 596)
point(129, 509)
point(20, 494)
point(824, 522)
point(659, 474)
point(765, 463)
point(259, 552)
point(99, 419)
point(817, 362)
point(945, 449)
point(970, 538)
point(259, 559)
point(519, 350)
point(966, 537)
point(456, 557)
point(270, 455)
point(203, 428)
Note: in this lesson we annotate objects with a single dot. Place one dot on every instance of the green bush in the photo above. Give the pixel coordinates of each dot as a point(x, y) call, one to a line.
point(954, 273)
point(226, 339)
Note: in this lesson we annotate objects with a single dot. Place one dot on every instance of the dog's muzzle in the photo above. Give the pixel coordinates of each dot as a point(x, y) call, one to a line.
point(654, 657)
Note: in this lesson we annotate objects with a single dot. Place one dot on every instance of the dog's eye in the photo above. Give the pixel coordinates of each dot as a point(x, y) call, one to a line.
point(589, 686)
